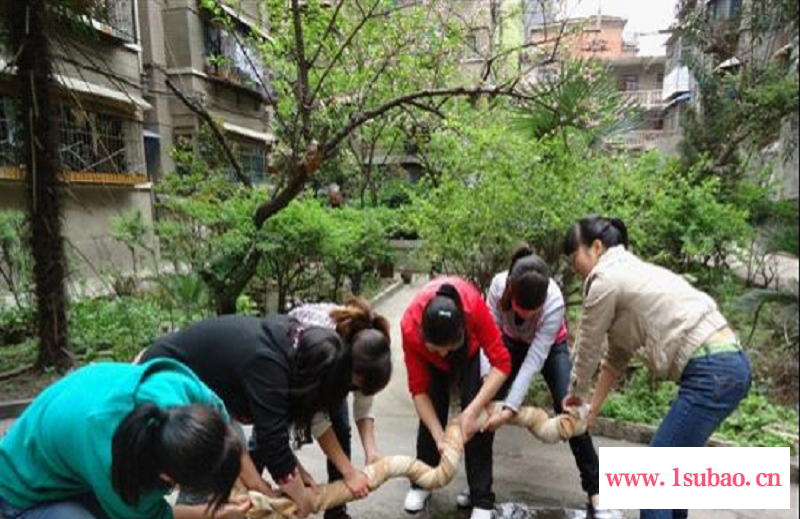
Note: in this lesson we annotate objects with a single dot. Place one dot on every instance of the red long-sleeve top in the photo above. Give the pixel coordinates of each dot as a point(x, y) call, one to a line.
point(482, 334)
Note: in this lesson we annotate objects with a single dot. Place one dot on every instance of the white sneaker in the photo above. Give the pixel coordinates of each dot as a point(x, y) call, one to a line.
point(464, 499)
point(482, 514)
point(599, 513)
point(416, 500)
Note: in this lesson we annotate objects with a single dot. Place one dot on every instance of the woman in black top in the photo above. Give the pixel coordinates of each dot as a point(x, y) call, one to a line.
point(270, 375)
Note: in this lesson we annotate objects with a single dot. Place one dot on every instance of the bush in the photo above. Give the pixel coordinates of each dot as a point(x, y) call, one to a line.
point(16, 264)
point(355, 245)
point(292, 244)
point(499, 189)
point(116, 329)
point(756, 423)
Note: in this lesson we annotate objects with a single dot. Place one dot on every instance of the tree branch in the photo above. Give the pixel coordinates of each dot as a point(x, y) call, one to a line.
point(196, 107)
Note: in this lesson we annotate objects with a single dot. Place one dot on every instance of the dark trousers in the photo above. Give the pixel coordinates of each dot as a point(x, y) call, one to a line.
point(340, 418)
point(711, 389)
point(556, 372)
point(479, 450)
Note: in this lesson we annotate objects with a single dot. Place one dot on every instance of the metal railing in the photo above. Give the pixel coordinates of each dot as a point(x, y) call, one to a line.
point(645, 140)
point(116, 15)
point(94, 146)
point(647, 99)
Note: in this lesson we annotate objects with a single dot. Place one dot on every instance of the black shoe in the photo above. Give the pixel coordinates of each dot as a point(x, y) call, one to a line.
point(337, 513)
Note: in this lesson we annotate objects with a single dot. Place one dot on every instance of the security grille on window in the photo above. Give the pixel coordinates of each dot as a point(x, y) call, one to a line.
point(90, 142)
point(253, 159)
point(116, 14)
point(9, 134)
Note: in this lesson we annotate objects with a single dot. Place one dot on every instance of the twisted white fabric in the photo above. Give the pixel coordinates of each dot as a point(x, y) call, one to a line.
point(537, 421)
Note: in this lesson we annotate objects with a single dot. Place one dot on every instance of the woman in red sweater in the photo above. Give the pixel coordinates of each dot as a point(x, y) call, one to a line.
point(444, 331)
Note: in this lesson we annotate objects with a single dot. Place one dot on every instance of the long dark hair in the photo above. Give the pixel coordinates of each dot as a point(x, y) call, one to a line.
point(369, 335)
point(528, 281)
point(444, 322)
point(611, 232)
point(192, 445)
point(321, 378)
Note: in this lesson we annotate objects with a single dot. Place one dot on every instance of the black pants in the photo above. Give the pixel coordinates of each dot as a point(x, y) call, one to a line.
point(556, 372)
point(479, 450)
point(340, 418)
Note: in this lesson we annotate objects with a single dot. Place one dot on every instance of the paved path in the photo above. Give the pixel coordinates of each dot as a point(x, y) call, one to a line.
point(525, 471)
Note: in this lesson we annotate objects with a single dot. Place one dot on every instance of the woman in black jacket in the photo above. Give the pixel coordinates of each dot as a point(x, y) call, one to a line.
point(272, 375)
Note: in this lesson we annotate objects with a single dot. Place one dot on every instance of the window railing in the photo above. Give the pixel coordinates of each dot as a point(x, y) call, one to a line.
point(232, 58)
point(647, 99)
point(116, 17)
point(94, 147)
point(644, 139)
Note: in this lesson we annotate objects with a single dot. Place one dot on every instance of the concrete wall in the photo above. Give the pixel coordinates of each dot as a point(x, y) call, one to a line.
point(87, 214)
point(112, 68)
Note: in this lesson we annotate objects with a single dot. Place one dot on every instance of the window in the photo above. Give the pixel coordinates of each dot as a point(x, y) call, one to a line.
point(595, 45)
point(232, 57)
point(722, 10)
point(253, 158)
point(90, 141)
point(116, 15)
point(660, 81)
point(9, 134)
point(630, 82)
point(472, 43)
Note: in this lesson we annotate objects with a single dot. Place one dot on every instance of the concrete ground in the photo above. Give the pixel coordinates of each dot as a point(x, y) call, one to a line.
point(526, 471)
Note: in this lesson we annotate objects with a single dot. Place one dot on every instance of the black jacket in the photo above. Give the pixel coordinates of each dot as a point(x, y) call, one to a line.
point(247, 362)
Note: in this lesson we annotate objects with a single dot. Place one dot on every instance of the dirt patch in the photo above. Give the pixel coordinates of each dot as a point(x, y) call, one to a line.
point(26, 386)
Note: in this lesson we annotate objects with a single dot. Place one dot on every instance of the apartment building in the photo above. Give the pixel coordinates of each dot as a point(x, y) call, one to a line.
point(725, 20)
point(213, 63)
point(100, 112)
point(640, 77)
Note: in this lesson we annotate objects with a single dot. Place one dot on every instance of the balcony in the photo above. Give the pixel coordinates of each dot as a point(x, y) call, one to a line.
point(233, 59)
point(646, 99)
point(643, 140)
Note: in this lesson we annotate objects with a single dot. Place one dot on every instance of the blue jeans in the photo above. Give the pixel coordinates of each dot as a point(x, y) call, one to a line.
point(80, 507)
point(711, 389)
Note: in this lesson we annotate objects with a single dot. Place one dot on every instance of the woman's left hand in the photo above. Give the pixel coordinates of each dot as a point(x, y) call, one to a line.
point(308, 479)
point(498, 420)
point(469, 426)
point(371, 457)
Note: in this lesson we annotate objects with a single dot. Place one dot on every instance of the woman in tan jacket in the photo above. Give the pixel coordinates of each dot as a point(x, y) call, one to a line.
point(678, 331)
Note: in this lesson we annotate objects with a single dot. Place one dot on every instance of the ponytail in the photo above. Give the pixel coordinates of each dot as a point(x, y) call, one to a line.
point(356, 316)
point(611, 232)
point(192, 445)
point(369, 335)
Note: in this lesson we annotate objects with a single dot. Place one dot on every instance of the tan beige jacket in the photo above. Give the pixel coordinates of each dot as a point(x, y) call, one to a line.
point(639, 307)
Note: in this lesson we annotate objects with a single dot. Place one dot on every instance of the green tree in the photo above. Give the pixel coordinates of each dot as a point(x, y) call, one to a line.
point(334, 68)
point(291, 246)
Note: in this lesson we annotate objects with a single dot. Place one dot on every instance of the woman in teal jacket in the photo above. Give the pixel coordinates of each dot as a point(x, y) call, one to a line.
point(112, 440)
